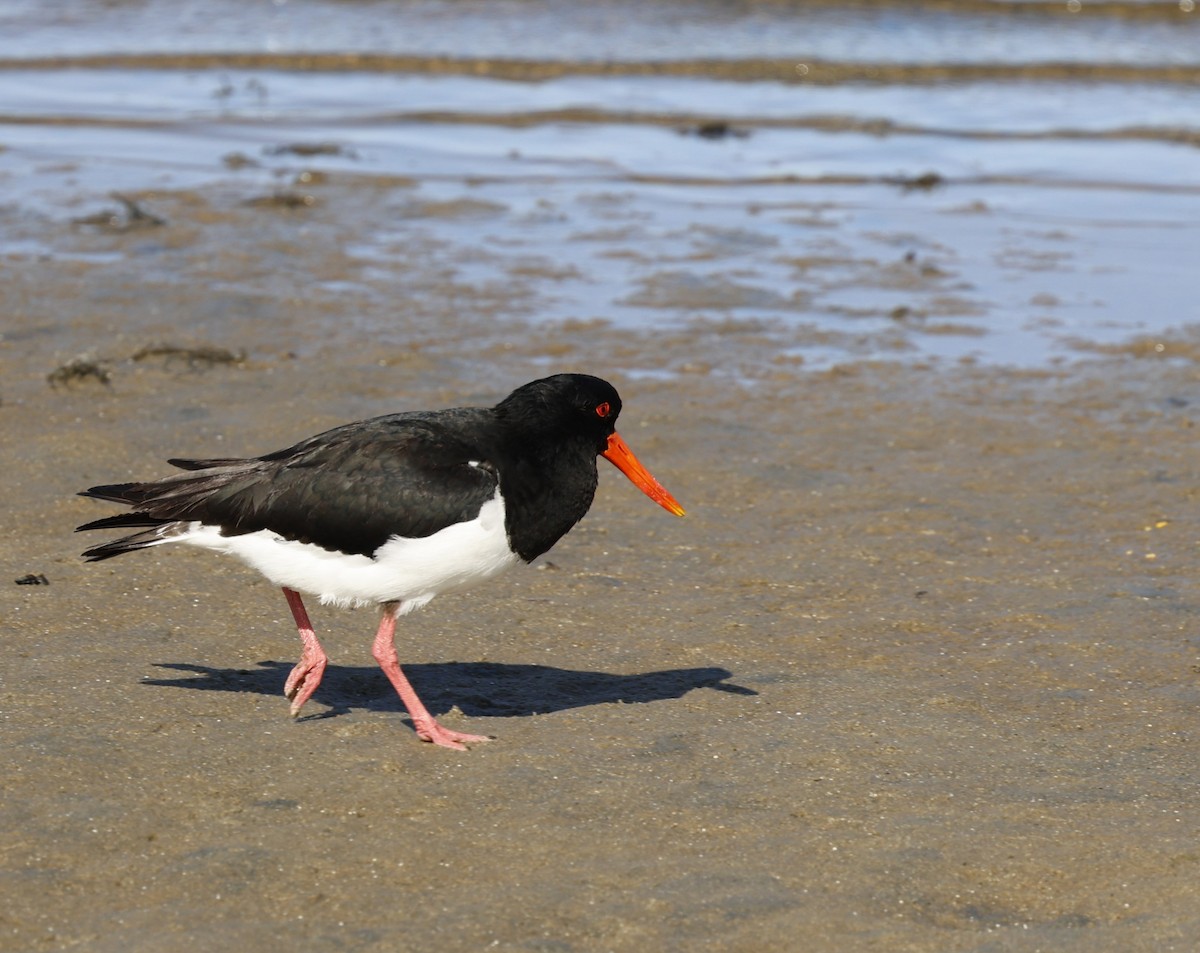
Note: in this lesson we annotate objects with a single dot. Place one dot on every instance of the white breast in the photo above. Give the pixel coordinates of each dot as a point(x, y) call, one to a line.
point(409, 571)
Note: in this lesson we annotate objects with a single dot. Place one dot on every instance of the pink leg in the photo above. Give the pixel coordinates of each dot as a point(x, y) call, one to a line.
point(428, 729)
point(306, 676)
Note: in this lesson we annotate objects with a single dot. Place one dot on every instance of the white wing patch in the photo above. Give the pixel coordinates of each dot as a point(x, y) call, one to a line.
point(409, 571)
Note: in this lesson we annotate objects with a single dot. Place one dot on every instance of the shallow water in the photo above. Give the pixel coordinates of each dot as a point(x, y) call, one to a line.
point(1050, 210)
point(1150, 33)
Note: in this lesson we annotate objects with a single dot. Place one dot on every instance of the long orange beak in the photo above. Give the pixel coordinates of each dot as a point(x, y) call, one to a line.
point(619, 454)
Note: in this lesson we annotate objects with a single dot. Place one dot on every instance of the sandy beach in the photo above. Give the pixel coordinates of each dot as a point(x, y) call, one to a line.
point(910, 332)
point(917, 672)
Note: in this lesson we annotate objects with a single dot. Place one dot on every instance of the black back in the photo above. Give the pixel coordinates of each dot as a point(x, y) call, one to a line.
point(352, 488)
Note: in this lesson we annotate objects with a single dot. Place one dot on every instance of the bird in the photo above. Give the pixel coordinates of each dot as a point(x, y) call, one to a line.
point(392, 510)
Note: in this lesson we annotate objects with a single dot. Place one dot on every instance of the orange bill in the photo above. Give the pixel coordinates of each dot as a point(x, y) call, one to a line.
point(619, 454)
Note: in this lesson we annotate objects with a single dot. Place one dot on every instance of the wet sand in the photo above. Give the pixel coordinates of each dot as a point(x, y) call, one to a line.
point(526, 70)
point(917, 672)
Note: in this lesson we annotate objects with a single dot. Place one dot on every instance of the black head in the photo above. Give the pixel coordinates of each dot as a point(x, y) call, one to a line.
point(563, 419)
point(565, 406)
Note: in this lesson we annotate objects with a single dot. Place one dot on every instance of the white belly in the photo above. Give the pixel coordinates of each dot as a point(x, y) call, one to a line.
point(409, 571)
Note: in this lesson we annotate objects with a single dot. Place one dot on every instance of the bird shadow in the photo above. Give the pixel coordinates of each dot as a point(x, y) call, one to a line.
point(478, 689)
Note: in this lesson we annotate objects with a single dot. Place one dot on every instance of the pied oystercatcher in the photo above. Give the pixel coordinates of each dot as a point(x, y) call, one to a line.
point(393, 510)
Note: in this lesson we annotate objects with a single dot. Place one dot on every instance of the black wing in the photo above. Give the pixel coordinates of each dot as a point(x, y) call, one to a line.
point(348, 489)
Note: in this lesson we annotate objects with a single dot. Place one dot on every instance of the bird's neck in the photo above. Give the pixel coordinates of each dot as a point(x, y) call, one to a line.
point(547, 488)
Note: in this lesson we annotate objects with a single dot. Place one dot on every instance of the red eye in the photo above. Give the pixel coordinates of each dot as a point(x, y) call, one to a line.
point(603, 410)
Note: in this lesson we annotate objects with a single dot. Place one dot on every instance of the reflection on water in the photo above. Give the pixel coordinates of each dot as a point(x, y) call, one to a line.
point(958, 31)
point(923, 210)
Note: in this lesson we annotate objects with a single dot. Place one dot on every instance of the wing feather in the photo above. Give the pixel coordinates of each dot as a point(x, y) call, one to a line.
point(349, 489)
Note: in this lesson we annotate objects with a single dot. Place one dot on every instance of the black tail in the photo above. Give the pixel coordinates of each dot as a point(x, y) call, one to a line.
point(182, 464)
point(161, 531)
point(161, 508)
point(132, 494)
point(122, 520)
point(129, 493)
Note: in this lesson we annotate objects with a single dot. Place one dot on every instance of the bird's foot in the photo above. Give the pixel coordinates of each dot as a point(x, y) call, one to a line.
point(303, 681)
point(434, 733)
